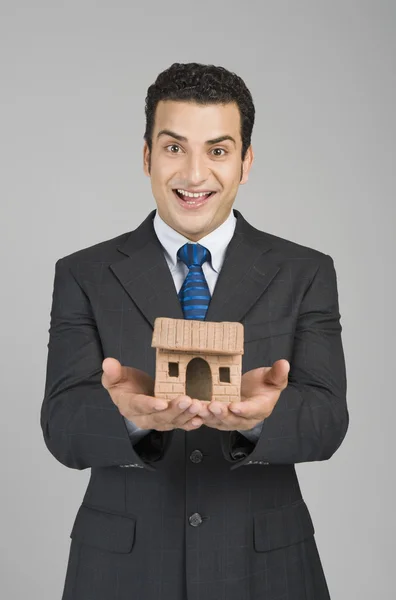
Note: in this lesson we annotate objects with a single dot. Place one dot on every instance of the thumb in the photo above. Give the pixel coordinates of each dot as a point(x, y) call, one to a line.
point(278, 374)
point(112, 372)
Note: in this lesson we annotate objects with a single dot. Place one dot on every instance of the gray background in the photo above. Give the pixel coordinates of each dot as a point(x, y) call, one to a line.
point(73, 79)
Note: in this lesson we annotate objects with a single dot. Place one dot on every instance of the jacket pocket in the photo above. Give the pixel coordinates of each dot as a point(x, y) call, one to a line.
point(281, 527)
point(104, 530)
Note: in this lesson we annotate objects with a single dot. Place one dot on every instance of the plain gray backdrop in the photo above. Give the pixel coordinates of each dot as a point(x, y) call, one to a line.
point(73, 79)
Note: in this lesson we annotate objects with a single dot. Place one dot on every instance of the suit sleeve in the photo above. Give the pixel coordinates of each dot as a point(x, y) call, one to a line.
point(82, 427)
point(310, 419)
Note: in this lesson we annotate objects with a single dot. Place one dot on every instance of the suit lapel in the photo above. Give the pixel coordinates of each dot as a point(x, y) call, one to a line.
point(245, 275)
point(145, 274)
point(247, 271)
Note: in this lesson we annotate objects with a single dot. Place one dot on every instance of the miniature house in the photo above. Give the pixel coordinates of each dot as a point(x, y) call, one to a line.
point(202, 359)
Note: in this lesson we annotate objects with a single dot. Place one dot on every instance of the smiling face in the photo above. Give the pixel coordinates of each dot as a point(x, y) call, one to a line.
point(196, 148)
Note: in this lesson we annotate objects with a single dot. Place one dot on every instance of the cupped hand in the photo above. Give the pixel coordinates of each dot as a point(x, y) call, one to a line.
point(132, 391)
point(260, 391)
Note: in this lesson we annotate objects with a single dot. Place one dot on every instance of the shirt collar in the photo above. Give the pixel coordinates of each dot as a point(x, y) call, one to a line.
point(216, 241)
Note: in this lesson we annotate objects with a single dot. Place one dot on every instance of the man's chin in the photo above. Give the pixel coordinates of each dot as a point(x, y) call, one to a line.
point(192, 227)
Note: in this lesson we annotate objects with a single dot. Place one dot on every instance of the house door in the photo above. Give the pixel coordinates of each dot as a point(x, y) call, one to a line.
point(199, 379)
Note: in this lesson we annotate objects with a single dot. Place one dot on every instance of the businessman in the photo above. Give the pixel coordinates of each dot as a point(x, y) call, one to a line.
point(190, 500)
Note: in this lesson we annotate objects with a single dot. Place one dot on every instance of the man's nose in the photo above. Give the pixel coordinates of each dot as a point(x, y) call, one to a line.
point(196, 170)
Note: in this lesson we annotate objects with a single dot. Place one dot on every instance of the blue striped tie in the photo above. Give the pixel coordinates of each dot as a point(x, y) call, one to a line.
point(194, 294)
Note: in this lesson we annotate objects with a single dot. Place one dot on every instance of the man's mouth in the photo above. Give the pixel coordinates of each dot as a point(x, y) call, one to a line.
point(193, 199)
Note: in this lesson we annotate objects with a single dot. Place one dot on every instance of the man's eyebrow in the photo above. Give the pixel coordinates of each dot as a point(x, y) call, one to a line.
point(182, 138)
point(221, 138)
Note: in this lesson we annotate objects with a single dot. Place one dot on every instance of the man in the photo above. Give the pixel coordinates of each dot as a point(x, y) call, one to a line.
point(190, 500)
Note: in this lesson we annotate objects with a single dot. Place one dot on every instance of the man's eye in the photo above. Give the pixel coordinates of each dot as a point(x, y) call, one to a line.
point(219, 150)
point(174, 146)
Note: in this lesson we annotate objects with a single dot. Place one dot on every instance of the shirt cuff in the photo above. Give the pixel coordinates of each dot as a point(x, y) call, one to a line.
point(135, 433)
point(254, 433)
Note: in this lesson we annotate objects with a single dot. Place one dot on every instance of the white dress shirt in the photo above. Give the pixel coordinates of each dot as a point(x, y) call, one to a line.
point(216, 242)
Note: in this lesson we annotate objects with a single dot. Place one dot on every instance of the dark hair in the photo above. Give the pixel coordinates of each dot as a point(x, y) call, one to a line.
point(203, 84)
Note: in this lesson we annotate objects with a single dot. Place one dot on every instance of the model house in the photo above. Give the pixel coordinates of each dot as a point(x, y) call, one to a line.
point(202, 359)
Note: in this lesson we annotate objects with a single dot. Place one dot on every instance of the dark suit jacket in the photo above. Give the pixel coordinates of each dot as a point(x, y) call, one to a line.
point(206, 514)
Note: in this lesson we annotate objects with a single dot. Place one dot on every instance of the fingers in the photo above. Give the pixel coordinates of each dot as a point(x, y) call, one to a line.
point(146, 413)
point(181, 413)
point(190, 419)
point(142, 405)
point(216, 414)
point(219, 417)
point(257, 407)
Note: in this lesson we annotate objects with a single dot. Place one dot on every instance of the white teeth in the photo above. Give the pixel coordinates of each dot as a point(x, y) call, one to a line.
point(191, 195)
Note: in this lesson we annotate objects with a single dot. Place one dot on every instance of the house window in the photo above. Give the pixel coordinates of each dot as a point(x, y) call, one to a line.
point(224, 373)
point(173, 369)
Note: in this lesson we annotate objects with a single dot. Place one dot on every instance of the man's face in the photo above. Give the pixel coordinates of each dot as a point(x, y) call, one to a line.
point(189, 154)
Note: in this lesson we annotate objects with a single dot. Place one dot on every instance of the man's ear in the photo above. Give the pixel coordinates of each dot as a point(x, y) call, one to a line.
point(247, 165)
point(146, 159)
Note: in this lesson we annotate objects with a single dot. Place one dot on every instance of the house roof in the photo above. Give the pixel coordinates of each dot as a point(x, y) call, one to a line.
point(225, 337)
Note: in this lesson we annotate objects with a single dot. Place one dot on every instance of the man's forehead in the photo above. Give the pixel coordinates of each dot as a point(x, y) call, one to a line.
point(175, 112)
point(211, 120)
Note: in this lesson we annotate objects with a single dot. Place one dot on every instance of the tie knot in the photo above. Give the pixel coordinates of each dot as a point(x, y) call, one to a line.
point(193, 254)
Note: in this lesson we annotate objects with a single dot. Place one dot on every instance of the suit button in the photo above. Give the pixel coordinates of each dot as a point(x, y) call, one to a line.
point(196, 456)
point(195, 519)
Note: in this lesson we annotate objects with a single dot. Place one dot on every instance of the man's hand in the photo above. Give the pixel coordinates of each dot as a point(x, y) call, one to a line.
point(260, 391)
point(132, 391)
